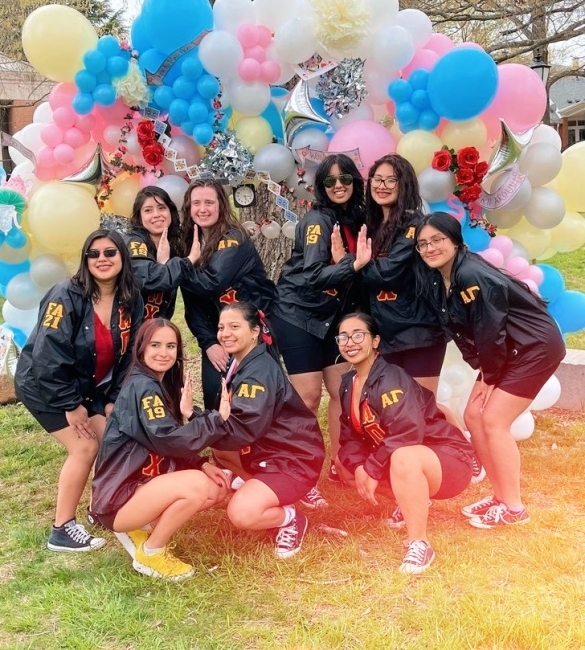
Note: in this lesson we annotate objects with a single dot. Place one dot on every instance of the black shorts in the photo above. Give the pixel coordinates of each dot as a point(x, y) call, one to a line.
point(52, 422)
point(303, 352)
point(287, 489)
point(107, 520)
point(419, 362)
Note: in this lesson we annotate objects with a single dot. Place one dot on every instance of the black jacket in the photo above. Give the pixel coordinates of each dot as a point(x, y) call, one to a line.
point(142, 440)
point(405, 320)
point(235, 273)
point(492, 319)
point(395, 411)
point(269, 422)
point(158, 282)
point(312, 292)
point(56, 370)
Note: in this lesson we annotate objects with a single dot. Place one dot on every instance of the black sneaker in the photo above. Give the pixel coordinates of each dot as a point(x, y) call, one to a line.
point(289, 539)
point(333, 476)
point(478, 471)
point(72, 537)
point(418, 558)
point(313, 500)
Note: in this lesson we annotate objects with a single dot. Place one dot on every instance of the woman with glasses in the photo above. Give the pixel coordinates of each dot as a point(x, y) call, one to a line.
point(505, 332)
point(228, 270)
point(393, 435)
point(314, 292)
point(72, 366)
point(156, 247)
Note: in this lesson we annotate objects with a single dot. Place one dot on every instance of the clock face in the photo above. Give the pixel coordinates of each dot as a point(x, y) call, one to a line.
point(244, 195)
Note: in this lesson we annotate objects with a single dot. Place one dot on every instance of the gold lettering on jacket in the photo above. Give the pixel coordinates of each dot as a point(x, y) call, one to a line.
point(469, 294)
point(227, 243)
point(154, 407)
point(138, 249)
point(313, 234)
point(391, 397)
point(245, 390)
point(53, 315)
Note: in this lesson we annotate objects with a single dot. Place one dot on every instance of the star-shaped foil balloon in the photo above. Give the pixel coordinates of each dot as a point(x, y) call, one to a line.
point(93, 171)
point(298, 112)
point(508, 149)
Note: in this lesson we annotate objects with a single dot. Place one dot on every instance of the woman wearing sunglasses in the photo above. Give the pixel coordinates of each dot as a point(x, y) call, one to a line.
point(313, 292)
point(393, 435)
point(72, 366)
point(505, 332)
point(156, 247)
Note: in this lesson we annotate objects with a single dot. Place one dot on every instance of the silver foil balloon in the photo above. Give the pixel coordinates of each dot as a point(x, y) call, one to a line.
point(298, 112)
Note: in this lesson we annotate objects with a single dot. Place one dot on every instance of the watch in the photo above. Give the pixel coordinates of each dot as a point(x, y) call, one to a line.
point(245, 196)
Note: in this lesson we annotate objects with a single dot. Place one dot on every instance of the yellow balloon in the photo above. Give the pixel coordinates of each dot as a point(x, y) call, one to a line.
point(470, 133)
point(124, 191)
point(253, 133)
point(534, 240)
point(569, 182)
point(55, 38)
point(61, 216)
point(548, 253)
point(418, 147)
point(569, 235)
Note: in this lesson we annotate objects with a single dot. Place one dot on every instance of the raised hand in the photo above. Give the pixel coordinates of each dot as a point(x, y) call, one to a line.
point(186, 403)
point(363, 252)
point(224, 405)
point(195, 252)
point(338, 251)
point(163, 250)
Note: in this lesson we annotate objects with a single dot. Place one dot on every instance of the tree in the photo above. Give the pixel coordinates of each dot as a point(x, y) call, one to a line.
point(13, 13)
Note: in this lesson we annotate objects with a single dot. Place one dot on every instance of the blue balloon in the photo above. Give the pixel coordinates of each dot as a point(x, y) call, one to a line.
point(18, 336)
point(428, 120)
point(170, 24)
point(462, 84)
point(16, 238)
point(83, 103)
point(198, 112)
point(138, 36)
point(569, 311)
point(184, 89)
point(400, 90)
point(420, 99)
point(103, 77)
point(452, 205)
point(208, 86)
point(419, 79)
point(202, 134)
point(3, 290)
point(163, 96)
point(191, 67)
point(178, 111)
point(95, 61)
point(108, 45)
point(553, 283)
point(104, 95)
point(406, 113)
point(85, 81)
point(475, 237)
point(8, 271)
point(150, 60)
point(117, 66)
point(188, 127)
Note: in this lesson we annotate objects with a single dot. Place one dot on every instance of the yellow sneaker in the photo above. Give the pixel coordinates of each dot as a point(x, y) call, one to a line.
point(132, 540)
point(161, 565)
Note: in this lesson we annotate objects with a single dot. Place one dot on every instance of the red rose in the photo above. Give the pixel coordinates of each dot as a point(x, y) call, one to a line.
point(442, 161)
point(468, 157)
point(470, 194)
point(145, 132)
point(153, 154)
point(481, 170)
point(464, 176)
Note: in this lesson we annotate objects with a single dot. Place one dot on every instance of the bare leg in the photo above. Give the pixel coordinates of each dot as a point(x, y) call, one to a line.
point(308, 386)
point(332, 377)
point(255, 507)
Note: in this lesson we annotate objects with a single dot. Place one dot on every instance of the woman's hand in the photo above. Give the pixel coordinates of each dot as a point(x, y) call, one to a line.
point(218, 357)
point(224, 405)
point(186, 403)
point(80, 423)
point(363, 252)
point(482, 392)
point(108, 408)
point(163, 250)
point(366, 485)
point(195, 252)
point(338, 251)
point(216, 475)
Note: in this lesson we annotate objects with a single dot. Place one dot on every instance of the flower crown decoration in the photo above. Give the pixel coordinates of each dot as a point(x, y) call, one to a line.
point(469, 172)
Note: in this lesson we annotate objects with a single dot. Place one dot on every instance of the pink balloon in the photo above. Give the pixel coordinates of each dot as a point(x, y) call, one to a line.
point(535, 274)
point(83, 155)
point(469, 45)
point(256, 52)
point(64, 154)
point(51, 135)
point(45, 173)
point(270, 72)
point(439, 43)
point(75, 137)
point(531, 284)
point(503, 244)
point(492, 123)
point(248, 35)
point(493, 256)
point(264, 36)
point(45, 157)
point(85, 122)
point(391, 107)
point(249, 70)
point(517, 266)
point(371, 138)
point(422, 58)
point(148, 179)
point(516, 83)
point(115, 114)
point(62, 95)
point(64, 116)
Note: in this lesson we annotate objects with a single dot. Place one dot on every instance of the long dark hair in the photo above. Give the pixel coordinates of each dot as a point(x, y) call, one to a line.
point(383, 233)
point(226, 221)
point(371, 325)
point(126, 286)
point(352, 214)
point(449, 226)
point(172, 381)
point(175, 234)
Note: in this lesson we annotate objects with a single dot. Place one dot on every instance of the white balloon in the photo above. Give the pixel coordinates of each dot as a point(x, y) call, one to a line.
point(377, 82)
point(175, 186)
point(503, 218)
point(548, 395)
point(417, 23)
point(26, 171)
point(309, 138)
point(541, 161)
point(276, 159)
point(220, 52)
point(252, 227)
point(288, 229)
point(295, 40)
point(392, 48)
point(23, 293)
point(43, 113)
point(521, 198)
point(359, 113)
point(273, 14)
point(23, 319)
point(270, 230)
point(382, 11)
point(518, 250)
point(545, 209)
point(286, 70)
point(444, 392)
point(230, 14)
point(523, 426)
point(436, 186)
point(47, 270)
point(545, 133)
point(249, 98)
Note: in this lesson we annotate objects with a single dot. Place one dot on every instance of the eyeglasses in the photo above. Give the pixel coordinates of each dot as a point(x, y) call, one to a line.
point(94, 254)
point(344, 179)
point(356, 337)
point(388, 183)
point(435, 242)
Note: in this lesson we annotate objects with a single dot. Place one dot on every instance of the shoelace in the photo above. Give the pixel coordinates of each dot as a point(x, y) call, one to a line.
point(416, 552)
point(287, 536)
point(312, 496)
point(397, 515)
point(78, 533)
point(476, 469)
point(494, 514)
point(483, 503)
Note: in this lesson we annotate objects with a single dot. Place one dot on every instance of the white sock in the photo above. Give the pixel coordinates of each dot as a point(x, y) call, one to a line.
point(151, 551)
point(289, 514)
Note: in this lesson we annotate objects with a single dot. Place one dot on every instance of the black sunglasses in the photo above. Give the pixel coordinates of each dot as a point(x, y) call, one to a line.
point(94, 254)
point(344, 179)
